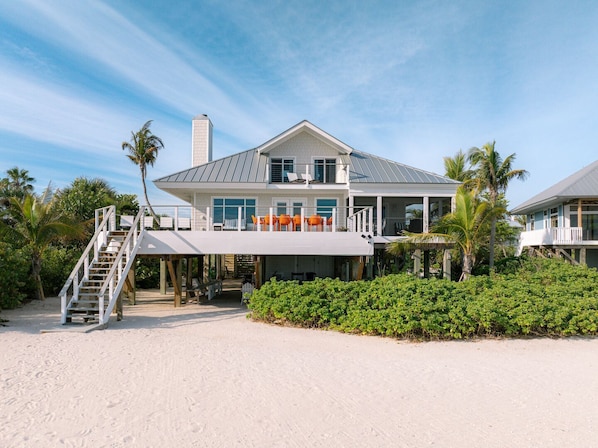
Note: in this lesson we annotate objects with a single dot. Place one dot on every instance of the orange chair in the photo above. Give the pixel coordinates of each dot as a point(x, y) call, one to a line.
point(297, 222)
point(254, 219)
point(284, 220)
point(315, 221)
point(268, 219)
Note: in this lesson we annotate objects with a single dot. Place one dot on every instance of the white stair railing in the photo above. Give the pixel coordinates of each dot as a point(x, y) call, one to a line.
point(114, 282)
point(361, 221)
point(104, 224)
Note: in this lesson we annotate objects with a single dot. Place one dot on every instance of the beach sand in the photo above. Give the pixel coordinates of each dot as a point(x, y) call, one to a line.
point(205, 376)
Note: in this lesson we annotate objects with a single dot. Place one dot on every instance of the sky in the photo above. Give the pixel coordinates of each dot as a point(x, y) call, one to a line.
point(411, 81)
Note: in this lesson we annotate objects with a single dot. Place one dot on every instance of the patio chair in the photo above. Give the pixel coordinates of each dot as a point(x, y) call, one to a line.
point(246, 292)
point(126, 221)
point(293, 178)
point(165, 222)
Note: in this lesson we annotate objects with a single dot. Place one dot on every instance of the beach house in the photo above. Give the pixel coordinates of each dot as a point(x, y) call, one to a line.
point(304, 204)
point(563, 219)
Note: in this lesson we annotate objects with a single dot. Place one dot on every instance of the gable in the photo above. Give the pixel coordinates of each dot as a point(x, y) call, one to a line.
point(305, 127)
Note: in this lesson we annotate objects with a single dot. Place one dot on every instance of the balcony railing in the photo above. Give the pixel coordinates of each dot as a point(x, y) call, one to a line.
point(307, 174)
point(259, 219)
point(552, 236)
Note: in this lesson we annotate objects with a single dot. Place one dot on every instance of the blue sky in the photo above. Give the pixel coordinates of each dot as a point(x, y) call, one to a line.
point(412, 81)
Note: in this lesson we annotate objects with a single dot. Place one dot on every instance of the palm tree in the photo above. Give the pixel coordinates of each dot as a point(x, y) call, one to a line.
point(493, 175)
point(143, 151)
point(456, 167)
point(466, 227)
point(35, 224)
point(20, 181)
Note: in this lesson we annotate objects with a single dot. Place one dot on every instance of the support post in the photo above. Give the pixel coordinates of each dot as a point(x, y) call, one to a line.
point(162, 276)
point(417, 257)
point(446, 264)
point(175, 284)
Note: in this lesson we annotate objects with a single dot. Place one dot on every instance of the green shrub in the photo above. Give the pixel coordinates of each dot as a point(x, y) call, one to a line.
point(57, 264)
point(530, 298)
point(14, 275)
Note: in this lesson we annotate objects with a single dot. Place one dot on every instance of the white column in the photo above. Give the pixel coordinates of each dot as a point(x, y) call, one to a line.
point(379, 215)
point(426, 214)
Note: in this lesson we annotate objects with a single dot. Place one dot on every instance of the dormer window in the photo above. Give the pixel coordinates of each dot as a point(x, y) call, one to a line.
point(279, 169)
point(325, 170)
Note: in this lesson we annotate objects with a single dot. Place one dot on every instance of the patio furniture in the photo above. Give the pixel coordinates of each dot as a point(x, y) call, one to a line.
point(297, 222)
point(315, 221)
point(294, 178)
point(246, 292)
point(126, 221)
point(165, 222)
point(270, 219)
point(255, 222)
point(284, 220)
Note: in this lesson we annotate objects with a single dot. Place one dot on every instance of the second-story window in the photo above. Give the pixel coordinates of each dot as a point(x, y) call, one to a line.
point(279, 169)
point(325, 170)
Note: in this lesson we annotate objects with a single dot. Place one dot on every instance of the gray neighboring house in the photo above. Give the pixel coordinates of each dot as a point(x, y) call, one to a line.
point(552, 218)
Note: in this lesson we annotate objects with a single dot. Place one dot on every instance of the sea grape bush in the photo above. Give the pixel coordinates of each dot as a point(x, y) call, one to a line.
point(539, 298)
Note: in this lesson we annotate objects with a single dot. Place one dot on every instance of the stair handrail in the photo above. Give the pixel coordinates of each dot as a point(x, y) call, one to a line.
point(361, 221)
point(81, 270)
point(133, 236)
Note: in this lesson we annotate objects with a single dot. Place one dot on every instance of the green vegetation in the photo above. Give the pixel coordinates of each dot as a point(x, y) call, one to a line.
point(524, 298)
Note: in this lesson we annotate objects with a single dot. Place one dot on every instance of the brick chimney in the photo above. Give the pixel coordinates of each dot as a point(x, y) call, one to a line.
point(201, 140)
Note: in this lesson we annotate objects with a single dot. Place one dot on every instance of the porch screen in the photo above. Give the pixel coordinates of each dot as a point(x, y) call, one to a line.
point(228, 209)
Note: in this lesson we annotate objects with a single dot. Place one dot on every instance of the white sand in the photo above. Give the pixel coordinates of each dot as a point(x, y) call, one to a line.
point(205, 376)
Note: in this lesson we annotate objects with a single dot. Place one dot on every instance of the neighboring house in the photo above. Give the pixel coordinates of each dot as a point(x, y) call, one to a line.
point(301, 205)
point(552, 218)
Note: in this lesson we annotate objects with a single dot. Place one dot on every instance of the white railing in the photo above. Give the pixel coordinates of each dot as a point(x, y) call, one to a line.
point(116, 278)
point(105, 222)
point(362, 221)
point(566, 235)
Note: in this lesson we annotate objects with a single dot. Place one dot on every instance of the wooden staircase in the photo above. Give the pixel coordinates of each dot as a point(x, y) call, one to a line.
point(86, 305)
point(92, 291)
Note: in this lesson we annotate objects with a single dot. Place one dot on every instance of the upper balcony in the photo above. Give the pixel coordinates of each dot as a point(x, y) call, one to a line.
point(325, 171)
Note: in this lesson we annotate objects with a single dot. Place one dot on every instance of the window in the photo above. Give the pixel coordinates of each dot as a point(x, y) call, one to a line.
point(324, 207)
point(228, 209)
point(279, 169)
point(554, 217)
point(325, 170)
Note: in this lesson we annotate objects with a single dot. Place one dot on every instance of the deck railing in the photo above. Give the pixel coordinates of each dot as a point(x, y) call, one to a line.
point(552, 236)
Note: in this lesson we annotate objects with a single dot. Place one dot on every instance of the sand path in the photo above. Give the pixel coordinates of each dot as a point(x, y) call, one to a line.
point(205, 376)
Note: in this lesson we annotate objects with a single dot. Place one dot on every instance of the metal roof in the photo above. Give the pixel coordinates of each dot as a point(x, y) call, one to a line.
point(582, 184)
point(250, 167)
point(369, 168)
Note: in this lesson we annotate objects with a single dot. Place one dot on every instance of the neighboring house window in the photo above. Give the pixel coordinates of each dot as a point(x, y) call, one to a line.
point(227, 209)
point(531, 221)
point(325, 170)
point(554, 217)
point(324, 207)
point(279, 169)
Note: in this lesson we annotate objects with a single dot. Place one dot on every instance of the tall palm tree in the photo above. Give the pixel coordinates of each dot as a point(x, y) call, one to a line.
point(143, 151)
point(456, 167)
point(35, 224)
point(493, 174)
point(466, 227)
point(20, 181)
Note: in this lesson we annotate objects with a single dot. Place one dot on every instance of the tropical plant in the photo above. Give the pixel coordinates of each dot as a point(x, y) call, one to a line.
point(493, 174)
point(34, 225)
point(84, 196)
point(456, 168)
point(143, 151)
point(466, 227)
point(17, 183)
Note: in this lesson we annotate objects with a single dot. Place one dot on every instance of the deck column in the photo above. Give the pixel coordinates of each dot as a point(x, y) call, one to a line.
point(446, 264)
point(379, 215)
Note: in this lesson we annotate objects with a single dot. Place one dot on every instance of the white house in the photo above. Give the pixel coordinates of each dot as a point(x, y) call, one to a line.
point(553, 218)
point(301, 205)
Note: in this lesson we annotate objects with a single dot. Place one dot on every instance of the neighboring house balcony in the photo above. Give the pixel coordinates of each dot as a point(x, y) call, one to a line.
point(557, 236)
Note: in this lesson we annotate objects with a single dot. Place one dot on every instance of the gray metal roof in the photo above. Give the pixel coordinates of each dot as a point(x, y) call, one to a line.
point(582, 184)
point(250, 167)
point(244, 167)
point(369, 168)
